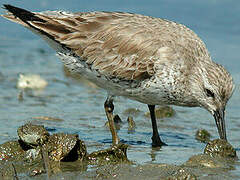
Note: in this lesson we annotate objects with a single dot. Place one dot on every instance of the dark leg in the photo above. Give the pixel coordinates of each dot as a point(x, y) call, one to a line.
point(109, 107)
point(156, 140)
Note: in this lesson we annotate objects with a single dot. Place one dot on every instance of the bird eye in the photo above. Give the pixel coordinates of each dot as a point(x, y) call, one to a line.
point(209, 93)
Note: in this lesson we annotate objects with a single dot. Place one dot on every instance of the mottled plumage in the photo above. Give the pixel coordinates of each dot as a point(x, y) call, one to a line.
point(151, 60)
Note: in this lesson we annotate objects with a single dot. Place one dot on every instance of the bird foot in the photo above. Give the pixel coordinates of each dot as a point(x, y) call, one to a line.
point(157, 142)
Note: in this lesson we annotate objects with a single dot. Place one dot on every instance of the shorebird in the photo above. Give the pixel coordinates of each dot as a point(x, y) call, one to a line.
point(151, 60)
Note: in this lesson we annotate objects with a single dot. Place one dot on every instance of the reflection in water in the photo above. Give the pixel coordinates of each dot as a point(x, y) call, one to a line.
point(154, 152)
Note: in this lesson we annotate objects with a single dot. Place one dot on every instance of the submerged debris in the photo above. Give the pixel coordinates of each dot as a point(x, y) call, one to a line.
point(131, 124)
point(162, 112)
point(203, 135)
point(132, 112)
point(47, 118)
point(20, 96)
point(204, 160)
point(117, 121)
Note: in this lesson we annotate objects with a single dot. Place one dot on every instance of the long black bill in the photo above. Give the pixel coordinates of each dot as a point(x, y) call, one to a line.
point(220, 122)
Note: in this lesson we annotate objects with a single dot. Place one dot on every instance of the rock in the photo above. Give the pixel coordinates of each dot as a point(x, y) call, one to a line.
point(220, 148)
point(204, 160)
point(34, 158)
point(202, 135)
point(162, 112)
point(182, 174)
point(11, 150)
point(32, 135)
point(116, 153)
point(117, 119)
point(33, 154)
point(65, 147)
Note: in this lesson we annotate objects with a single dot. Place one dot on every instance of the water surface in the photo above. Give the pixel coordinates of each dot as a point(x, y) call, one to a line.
point(81, 106)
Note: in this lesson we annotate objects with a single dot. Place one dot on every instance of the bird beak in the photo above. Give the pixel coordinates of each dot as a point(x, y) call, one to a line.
point(220, 122)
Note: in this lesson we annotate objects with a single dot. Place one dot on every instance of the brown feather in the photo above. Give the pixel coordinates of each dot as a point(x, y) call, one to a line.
point(119, 44)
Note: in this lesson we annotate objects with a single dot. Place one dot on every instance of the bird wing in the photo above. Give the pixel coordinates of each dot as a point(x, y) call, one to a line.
point(122, 45)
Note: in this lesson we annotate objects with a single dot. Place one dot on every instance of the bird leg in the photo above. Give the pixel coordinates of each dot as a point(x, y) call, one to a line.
point(156, 140)
point(109, 107)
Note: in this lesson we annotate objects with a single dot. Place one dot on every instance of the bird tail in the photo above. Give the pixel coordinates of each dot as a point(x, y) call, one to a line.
point(20, 16)
point(37, 23)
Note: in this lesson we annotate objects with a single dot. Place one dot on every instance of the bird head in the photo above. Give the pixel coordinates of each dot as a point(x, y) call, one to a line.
point(212, 86)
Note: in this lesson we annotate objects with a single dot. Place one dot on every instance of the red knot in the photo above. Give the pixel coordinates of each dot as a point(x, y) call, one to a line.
point(150, 60)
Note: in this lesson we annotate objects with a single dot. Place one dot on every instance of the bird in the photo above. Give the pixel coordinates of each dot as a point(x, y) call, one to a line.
point(150, 60)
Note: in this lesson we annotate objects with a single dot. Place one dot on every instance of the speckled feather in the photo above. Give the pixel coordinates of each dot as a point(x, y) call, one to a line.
point(166, 61)
point(123, 45)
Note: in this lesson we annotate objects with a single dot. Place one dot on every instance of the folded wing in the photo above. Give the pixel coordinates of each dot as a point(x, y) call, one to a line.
point(122, 45)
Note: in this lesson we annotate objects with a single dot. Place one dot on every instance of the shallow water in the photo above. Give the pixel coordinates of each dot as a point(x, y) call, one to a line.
point(81, 105)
